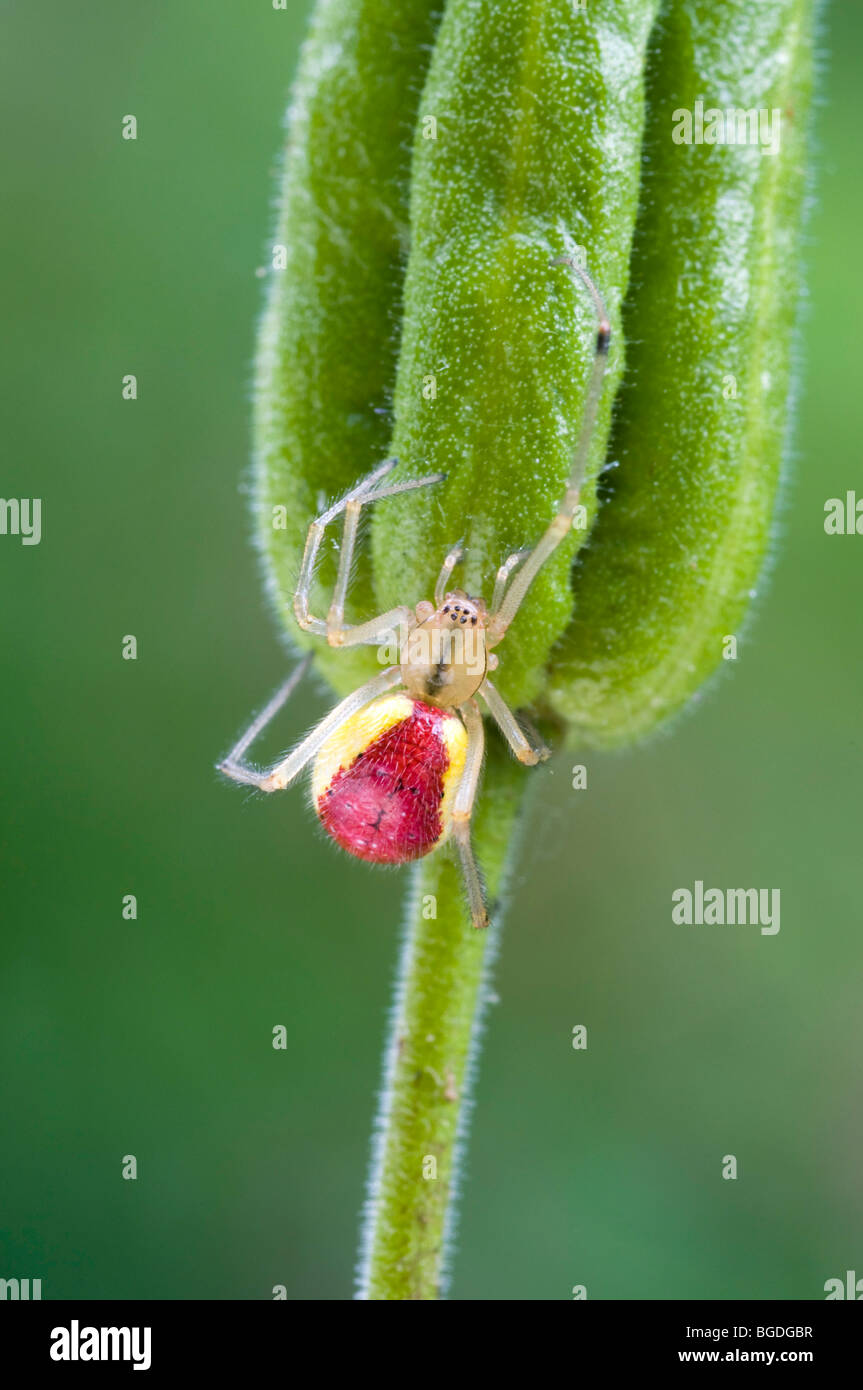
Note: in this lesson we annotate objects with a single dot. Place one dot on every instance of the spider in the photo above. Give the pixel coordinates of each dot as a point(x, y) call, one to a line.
point(397, 763)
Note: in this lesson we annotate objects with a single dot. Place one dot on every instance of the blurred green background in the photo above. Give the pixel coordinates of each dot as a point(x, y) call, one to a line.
point(153, 1037)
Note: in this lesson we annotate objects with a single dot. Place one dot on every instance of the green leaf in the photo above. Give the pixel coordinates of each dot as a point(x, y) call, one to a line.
point(329, 335)
point(704, 414)
point(538, 110)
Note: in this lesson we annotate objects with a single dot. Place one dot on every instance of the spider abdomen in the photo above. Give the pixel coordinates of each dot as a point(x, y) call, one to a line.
point(383, 784)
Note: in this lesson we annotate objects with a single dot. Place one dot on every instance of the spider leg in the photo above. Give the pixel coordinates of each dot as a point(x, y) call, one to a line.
point(512, 600)
point(351, 504)
point(233, 765)
point(528, 750)
point(314, 537)
point(503, 574)
point(447, 568)
point(284, 772)
point(463, 809)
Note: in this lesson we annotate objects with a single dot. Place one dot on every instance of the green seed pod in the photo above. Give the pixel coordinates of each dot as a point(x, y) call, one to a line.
point(527, 146)
point(328, 339)
point(702, 419)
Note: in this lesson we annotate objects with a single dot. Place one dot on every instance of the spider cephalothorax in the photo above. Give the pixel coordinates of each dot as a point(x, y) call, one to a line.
point(396, 765)
point(445, 657)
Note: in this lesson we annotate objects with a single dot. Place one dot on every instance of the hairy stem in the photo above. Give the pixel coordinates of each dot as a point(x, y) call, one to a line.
point(441, 994)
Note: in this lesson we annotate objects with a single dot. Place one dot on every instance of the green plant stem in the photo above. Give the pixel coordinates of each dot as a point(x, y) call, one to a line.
point(441, 993)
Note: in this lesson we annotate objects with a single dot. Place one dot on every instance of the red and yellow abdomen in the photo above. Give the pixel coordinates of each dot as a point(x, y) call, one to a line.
point(383, 785)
